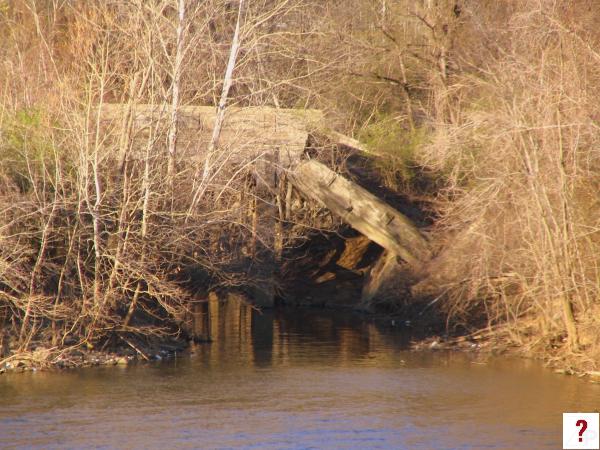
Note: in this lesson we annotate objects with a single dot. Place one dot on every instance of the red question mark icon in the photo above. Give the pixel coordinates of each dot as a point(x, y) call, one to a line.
point(583, 424)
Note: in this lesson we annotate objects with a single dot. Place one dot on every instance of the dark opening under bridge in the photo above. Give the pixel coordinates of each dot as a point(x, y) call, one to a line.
point(275, 141)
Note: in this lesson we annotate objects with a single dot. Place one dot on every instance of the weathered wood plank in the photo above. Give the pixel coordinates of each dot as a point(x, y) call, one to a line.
point(362, 210)
point(381, 278)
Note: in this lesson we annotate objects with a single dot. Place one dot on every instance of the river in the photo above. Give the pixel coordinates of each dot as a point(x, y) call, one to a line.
point(295, 379)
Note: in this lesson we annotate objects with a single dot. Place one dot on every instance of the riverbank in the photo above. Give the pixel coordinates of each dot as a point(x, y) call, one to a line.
point(418, 336)
point(44, 356)
point(128, 191)
point(496, 343)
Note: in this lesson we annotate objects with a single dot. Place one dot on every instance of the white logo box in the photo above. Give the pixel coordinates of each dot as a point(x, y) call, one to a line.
point(581, 431)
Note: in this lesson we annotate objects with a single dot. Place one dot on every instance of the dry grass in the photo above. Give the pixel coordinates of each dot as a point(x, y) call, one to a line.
point(503, 99)
point(108, 237)
point(521, 172)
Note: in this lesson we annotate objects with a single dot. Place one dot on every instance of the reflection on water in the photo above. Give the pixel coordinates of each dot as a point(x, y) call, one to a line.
point(273, 337)
point(295, 379)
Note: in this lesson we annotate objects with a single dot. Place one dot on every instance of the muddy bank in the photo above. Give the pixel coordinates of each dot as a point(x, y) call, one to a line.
point(44, 356)
point(422, 337)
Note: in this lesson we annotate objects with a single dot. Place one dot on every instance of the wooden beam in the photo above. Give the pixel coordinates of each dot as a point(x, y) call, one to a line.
point(382, 279)
point(363, 211)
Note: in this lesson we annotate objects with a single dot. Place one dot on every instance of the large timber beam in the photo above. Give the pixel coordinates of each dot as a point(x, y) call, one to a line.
point(362, 210)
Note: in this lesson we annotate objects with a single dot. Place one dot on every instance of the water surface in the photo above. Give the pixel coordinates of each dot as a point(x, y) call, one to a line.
point(298, 379)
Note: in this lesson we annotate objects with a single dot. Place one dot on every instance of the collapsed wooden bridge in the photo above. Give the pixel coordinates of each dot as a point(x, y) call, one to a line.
point(275, 142)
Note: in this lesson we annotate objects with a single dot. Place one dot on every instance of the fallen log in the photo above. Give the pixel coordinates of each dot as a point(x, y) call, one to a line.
point(363, 211)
